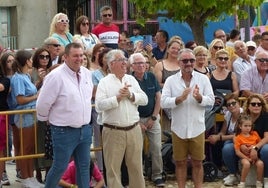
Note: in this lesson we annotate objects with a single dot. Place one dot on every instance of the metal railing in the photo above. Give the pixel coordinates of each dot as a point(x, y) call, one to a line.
point(9, 42)
point(35, 154)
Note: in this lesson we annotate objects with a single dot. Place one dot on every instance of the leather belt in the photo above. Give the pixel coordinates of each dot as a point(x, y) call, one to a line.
point(120, 128)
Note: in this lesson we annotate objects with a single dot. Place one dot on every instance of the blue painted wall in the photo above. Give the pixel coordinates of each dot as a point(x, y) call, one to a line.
point(184, 31)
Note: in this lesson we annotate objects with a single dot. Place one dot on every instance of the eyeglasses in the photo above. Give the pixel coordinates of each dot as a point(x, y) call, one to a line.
point(85, 23)
point(185, 61)
point(106, 15)
point(44, 56)
point(258, 104)
point(220, 36)
point(120, 60)
point(262, 60)
point(223, 58)
point(55, 45)
point(63, 21)
point(217, 47)
point(231, 104)
point(138, 63)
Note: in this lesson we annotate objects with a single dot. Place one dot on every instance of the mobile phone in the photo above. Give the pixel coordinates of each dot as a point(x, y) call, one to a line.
point(147, 39)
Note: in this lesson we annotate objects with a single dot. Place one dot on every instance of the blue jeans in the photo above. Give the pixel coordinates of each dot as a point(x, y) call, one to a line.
point(229, 157)
point(231, 160)
point(264, 158)
point(67, 142)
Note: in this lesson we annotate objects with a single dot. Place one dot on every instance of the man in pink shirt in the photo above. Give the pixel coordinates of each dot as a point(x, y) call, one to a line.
point(65, 102)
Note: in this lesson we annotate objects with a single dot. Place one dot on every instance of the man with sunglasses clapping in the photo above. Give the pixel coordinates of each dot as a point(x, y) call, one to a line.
point(188, 93)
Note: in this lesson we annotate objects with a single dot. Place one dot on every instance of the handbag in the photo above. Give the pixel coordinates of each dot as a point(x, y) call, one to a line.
point(222, 92)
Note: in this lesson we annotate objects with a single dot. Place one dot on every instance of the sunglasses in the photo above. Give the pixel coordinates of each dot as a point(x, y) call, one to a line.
point(55, 45)
point(44, 56)
point(231, 104)
point(223, 58)
point(185, 61)
point(85, 23)
point(251, 48)
point(217, 47)
point(138, 63)
point(262, 60)
point(107, 15)
point(256, 104)
point(63, 21)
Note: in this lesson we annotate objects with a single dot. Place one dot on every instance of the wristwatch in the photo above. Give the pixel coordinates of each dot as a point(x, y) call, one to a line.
point(130, 96)
point(154, 118)
point(256, 148)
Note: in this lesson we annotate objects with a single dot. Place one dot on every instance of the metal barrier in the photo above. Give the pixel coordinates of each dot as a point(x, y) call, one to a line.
point(35, 154)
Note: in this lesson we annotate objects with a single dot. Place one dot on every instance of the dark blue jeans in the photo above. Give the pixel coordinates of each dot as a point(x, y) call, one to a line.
point(67, 142)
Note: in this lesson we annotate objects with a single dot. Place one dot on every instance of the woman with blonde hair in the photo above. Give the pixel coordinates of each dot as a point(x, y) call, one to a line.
point(59, 29)
point(222, 78)
point(170, 64)
point(215, 45)
point(201, 63)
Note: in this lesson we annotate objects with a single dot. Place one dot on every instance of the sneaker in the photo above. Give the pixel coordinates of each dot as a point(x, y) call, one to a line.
point(241, 185)
point(159, 182)
point(259, 184)
point(18, 177)
point(36, 183)
point(231, 180)
point(27, 183)
point(265, 182)
point(5, 180)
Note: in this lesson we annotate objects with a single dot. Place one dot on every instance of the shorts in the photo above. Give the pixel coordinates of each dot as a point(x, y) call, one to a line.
point(193, 147)
point(3, 135)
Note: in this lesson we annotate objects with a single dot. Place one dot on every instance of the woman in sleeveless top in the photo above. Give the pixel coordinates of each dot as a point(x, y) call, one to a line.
point(201, 63)
point(88, 39)
point(169, 65)
point(222, 78)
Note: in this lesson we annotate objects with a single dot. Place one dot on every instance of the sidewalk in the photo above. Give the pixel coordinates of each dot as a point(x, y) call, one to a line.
point(171, 183)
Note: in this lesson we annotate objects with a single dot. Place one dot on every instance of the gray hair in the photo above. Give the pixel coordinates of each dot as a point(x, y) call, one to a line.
point(239, 42)
point(134, 56)
point(111, 56)
point(49, 40)
point(104, 8)
point(185, 50)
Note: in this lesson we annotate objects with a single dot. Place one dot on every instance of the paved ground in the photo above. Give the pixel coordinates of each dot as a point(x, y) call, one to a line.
point(171, 183)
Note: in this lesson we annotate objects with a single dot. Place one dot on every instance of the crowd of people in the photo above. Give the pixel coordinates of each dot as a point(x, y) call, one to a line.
point(104, 88)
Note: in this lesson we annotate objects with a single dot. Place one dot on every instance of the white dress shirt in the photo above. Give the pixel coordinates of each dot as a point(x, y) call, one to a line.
point(124, 113)
point(188, 117)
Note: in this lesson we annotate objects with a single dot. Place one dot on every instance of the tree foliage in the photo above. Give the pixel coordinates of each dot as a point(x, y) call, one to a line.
point(195, 12)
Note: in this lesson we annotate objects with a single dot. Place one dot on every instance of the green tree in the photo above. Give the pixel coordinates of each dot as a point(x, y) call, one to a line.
point(194, 12)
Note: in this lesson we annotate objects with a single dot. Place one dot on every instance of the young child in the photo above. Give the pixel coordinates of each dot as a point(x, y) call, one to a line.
point(246, 136)
point(68, 179)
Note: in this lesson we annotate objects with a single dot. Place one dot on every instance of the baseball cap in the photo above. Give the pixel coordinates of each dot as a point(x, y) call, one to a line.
point(251, 43)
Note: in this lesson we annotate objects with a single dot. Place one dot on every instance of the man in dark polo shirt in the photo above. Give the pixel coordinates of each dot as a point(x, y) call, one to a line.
point(161, 39)
point(149, 114)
